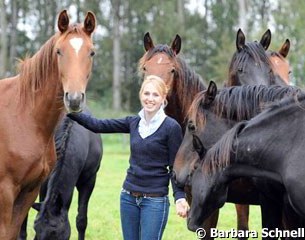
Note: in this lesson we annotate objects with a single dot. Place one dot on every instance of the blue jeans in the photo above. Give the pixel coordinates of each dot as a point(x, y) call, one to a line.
point(143, 218)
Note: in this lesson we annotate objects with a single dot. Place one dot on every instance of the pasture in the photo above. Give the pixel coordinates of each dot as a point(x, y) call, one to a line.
point(103, 214)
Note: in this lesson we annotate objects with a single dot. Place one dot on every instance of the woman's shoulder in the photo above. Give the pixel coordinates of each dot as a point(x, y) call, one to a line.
point(172, 122)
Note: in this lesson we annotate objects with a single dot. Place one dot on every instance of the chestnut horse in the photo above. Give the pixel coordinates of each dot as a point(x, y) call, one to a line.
point(31, 105)
point(280, 64)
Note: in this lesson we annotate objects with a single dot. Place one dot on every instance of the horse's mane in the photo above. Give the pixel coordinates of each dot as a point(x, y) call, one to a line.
point(251, 50)
point(35, 71)
point(238, 102)
point(186, 81)
point(218, 156)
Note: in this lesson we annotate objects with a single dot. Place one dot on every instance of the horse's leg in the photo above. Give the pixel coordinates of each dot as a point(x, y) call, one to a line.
point(85, 189)
point(209, 223)
point(271, 214)
point(242, 212)
point(23, 230)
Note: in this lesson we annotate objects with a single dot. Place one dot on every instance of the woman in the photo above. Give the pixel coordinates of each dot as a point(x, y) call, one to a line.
point(154, 139)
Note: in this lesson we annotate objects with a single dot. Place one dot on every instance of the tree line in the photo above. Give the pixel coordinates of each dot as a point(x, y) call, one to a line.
point(207, 28)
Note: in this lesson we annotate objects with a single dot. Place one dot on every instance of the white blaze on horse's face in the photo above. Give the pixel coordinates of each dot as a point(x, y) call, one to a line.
point(76, 43)
point(160, 60)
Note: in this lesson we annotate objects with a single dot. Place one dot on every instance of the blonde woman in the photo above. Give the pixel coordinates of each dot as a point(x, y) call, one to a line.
point(154, 139)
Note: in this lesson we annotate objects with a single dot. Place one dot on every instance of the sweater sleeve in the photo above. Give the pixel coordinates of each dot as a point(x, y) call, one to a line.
point(101, 125)
point(174, 142)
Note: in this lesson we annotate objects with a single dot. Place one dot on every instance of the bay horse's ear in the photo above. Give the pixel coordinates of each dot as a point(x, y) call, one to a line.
point(148, 42)
point(89, 23)
point(240, 40)
point(285, 48)
point(63, 21)
point(198, 146)
point(211, 92)
point(176, 44)
point(266, 39)
point(36, 206)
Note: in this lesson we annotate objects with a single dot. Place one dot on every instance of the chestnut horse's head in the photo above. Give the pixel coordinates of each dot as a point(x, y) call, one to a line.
point(75, 51)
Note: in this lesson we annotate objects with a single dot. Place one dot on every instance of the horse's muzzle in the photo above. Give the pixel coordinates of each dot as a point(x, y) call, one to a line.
point(74, 101)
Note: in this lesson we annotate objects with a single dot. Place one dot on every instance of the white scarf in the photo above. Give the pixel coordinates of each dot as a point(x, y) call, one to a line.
point(146, 129)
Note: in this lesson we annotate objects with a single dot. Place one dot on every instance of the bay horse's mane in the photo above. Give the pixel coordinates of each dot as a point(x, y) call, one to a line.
point(238, 102)
point(35, 71)
point(218, 157)
point(253, 50)
point(186, 81)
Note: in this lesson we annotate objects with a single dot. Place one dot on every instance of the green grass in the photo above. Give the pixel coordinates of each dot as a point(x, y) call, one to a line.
point(103, 215)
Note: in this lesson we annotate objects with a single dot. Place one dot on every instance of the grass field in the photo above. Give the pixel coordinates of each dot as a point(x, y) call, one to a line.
point(103, 215)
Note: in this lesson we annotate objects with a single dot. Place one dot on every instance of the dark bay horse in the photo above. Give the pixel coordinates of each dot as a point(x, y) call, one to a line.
point(31, 105)
point(269, 146)
point(183, 83)
point(79, 153)
point(211, 115)
point(252, 65)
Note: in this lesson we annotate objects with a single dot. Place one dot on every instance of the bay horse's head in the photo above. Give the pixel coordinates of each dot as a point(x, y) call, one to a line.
point(250, 64)
point(75, 51)
point(160, 60)
point(280, 64)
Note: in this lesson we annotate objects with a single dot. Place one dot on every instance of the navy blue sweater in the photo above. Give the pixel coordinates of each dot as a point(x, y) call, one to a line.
point(151, 159)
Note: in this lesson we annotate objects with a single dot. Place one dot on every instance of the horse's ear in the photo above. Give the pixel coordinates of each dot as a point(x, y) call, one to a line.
point(36, 206)
point(198, 146)
point(148, 42)
point(240, 40)
point(89, 23)
point(266, 39)
point(211, 92)
point(176, 44)
point(63, 21)
point(285, 48)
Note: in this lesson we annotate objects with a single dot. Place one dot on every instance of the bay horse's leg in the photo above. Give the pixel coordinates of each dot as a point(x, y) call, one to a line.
point(23, 230)
point(84, 193)
point(209, 223)
point(242, 212)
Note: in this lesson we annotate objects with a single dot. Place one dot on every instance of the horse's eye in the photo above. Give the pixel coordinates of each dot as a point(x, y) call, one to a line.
point(191, 127)
point(58, 52)
point(144, 68)
point(173, 70)
point(240, 70)
point(92, 53)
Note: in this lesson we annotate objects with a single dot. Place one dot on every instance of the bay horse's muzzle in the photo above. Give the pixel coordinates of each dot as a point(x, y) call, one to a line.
point(74, 101)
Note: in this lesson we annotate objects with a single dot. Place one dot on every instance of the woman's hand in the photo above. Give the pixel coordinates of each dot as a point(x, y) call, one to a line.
point(182, 207)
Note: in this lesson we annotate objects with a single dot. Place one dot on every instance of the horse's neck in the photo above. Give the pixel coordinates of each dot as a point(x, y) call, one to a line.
point(237, 170)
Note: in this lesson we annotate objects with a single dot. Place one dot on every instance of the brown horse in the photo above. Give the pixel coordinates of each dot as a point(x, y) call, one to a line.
point(183, 83)
point(280, 64)
point(31, 105)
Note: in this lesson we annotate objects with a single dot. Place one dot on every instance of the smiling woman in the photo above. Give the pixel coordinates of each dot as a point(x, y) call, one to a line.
point(154, 141)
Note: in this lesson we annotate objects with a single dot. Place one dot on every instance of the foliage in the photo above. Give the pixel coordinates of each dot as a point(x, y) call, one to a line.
point(208, 32)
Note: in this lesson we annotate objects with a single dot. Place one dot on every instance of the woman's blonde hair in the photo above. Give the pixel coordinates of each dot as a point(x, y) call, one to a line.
point(157, 82)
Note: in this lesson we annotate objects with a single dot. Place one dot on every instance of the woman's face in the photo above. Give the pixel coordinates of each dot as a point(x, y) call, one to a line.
point(151, 99)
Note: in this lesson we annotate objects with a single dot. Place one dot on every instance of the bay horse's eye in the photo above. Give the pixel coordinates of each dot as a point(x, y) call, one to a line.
point(191, 127)
point(144, 68)
point(92, 53)
point(173, 70)
point(58, 52)
point(240, 70)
